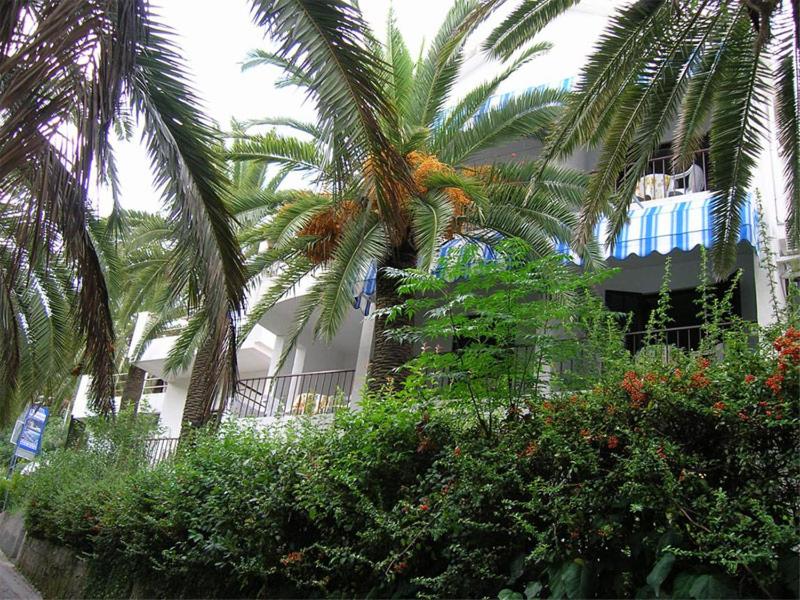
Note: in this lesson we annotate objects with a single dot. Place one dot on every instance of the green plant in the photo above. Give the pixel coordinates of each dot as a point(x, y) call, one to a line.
point(395, 167)
point(661, 476)
point(519, 327)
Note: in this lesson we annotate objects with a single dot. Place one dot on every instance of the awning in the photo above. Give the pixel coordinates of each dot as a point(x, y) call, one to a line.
point(678, 223)
point(365, 295)
point(674, 224)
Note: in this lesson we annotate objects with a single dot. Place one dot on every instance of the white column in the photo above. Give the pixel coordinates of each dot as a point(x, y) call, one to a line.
point(764, 309)
point(362, 360)
point(172, 408)
point(277, 350)
point(298, 362)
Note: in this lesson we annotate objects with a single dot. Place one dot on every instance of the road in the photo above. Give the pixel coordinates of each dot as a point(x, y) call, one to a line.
point(13, 585)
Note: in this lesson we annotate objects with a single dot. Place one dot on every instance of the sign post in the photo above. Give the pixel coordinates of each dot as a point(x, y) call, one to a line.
point(27, 437)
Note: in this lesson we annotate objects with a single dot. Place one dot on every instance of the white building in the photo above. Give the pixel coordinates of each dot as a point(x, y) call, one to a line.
point(672, 218)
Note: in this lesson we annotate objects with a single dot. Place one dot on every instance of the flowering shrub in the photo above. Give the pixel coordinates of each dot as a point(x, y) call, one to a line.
point(658, 477)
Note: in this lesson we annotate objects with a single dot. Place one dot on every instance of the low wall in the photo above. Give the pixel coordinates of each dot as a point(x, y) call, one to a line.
point(55, 571)
point(12, 535)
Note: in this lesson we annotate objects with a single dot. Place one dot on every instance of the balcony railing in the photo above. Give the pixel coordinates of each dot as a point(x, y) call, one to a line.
point(159, 449)
point(661, 181)
point(152, 385)
point(320, 392)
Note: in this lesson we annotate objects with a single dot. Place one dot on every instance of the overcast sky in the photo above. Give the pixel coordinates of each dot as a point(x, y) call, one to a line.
point(217, 34)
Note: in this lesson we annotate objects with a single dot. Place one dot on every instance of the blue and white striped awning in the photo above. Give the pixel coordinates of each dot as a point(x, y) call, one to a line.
point(674, 224)
point(678, 223)
point(365, 297)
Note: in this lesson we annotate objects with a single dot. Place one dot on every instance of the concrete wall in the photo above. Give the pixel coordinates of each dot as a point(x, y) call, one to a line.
point(55, 571)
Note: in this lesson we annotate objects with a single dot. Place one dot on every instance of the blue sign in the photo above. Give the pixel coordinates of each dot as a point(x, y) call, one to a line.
point(29, 432)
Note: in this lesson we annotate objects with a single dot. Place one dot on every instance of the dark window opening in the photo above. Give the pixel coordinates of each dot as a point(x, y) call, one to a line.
point(683, 327)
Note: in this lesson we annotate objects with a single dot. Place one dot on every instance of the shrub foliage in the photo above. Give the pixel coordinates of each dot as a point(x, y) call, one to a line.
point(667, 475)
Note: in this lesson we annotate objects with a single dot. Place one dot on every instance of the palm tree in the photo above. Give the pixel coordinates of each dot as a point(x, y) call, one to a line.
point(37, 310)
point(154, 281)
point(393, 167)
point(709, 66)
point(70, 72)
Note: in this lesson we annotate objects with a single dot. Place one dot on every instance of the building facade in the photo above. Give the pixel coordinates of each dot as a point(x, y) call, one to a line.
point(670, 217)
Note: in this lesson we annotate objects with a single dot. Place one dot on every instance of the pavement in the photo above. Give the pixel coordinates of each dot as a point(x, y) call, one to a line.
point(13, 585)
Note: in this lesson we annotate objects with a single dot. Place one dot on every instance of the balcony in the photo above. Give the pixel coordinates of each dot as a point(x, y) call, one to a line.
point(316, 393)
point(661, 181)
point(253, 356)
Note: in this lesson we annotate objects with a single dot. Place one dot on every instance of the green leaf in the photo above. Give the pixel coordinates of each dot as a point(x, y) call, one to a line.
point(533, 590)
point(660, 572)
point(507, 594)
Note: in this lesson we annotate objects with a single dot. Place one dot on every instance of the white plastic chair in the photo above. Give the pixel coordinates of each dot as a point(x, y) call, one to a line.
point(692, 180)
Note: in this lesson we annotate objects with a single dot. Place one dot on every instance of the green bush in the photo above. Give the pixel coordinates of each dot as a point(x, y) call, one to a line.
point(663, 477)
point(68, 491)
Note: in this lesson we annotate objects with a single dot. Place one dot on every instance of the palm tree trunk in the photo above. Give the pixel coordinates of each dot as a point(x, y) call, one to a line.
point(200, 395)
point(389, 355)
point(132, 392)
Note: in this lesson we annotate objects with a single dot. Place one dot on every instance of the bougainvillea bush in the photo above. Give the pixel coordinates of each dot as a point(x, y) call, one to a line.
point(671, 474)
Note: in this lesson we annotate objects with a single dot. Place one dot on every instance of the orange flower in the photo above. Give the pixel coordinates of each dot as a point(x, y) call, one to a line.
point(457, 451)
point(613, 441)
point(586, 434)
point(703, 363)
point(400, 567)
point(529, 450)
point(678, 374)
point(635, 388)
point(743, 416)
point(700, 380)
point(774, 383)
point(661, 454)
point(719, 406)
point(424, 507)
point(292, 557)
point(749, 378)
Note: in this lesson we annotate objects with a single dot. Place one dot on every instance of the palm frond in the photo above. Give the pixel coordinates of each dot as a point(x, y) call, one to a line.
point(281, 286)
point(432, 217)
point(692, 124)
point(788, 121)
point(522, 25)
point(455, 119)
point(183, 350)
point(330, 43)
point(401, 68)
point(609, 72)
point(294, 73)
point(527, 114)
point(295, 124)
point(437, 72)
point(362, 241)
point(643, 114)
point(737, 121)
point(271, 148)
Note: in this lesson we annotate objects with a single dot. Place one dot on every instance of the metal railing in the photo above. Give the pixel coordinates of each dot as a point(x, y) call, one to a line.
point(159, 449)
point(319, 392)
point(152, 385)
point(661, 181)
point(686, 338)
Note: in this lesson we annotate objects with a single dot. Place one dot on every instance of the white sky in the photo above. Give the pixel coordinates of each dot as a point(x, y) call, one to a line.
point(216, 35)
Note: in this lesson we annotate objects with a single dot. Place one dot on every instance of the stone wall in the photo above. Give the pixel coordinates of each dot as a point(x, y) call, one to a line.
point(55, 571)
point(12, 535)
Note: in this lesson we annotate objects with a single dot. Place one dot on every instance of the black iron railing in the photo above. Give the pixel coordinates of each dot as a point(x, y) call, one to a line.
point(159, 449)
point(686, 338)
point(319, 392)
